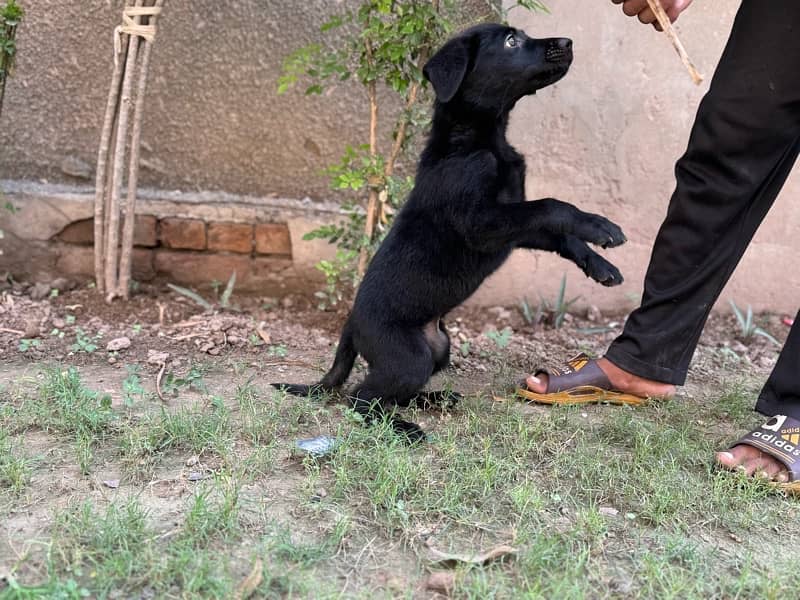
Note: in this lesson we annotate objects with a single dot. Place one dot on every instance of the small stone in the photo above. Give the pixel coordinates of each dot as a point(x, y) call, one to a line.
point(593, 314)
point(120, 343)
point(442, 582)
point(40, 291)
point(195, 476)
point(739, 347)
point(608, 511)
point(192, 460)
point(287, 302)
point(156, 357)
point(60, 284)
point(59, 323)
point(111, 483)
point(75, 167)
point(321, 492)
point(112, 360)
point(214, 351)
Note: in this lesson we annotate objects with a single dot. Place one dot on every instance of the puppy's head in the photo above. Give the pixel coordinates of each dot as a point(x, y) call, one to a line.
point(492, 66)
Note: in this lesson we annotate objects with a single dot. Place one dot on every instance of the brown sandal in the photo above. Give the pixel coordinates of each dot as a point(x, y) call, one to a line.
point(779, 438)
point(579, 381)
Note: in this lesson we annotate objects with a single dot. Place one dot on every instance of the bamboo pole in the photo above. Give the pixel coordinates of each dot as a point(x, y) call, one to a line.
point(112, 233)
point(102, 174)
point(123, 288)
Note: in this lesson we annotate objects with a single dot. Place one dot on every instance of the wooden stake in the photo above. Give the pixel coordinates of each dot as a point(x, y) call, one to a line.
point(666, 25)
point(112, 234)
point(125, 260)
point(101, 175)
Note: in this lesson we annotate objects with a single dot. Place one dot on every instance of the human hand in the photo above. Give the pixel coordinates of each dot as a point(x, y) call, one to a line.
point(640, 8)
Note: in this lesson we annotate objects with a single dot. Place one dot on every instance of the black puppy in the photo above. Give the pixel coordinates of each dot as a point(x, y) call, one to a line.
point(465, 215)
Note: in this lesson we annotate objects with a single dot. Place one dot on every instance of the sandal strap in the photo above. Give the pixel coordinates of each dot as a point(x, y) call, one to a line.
point(779, 437)
point(579, 371)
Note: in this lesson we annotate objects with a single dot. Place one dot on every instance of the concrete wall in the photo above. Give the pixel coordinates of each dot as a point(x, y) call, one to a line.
point(606, 137)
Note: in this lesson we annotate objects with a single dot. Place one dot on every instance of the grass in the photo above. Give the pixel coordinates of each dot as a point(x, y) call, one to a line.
point(600, 502)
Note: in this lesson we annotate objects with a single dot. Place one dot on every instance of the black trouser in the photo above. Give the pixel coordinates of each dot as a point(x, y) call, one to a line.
point(743, 145)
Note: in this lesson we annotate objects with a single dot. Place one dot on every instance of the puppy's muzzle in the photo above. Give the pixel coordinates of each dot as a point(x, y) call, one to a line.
point(558, 50)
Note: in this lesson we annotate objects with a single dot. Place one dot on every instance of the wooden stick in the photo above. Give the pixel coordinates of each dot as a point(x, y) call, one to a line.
point(123, 288)
point(112, 234)
point(666, 25)
point(102, 165)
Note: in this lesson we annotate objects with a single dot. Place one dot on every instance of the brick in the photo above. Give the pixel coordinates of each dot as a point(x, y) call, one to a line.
point(200, 268)
point(230, 237)
point(273, 238)
point(187, 234)
point(82, 232)
point(144, 232)
point(79, 261)
point(79, 232)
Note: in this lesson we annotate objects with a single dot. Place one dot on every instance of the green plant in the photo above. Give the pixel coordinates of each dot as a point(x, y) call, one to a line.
point(224, 300)
point(501, 339)
point(379, 43)
point(10, 17)
point(84, 342)
point(747, 327)
point(26, 344)
point(558, 309)
point(192, 380)
point(132, 386)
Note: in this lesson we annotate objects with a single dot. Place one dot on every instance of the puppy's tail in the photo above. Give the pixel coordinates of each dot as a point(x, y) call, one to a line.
point(339, 372)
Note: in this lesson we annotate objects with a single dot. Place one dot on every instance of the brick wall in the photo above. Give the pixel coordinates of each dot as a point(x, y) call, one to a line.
point(183, 250)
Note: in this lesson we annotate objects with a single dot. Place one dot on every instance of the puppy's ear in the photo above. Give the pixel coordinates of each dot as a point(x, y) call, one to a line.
point(446, 69)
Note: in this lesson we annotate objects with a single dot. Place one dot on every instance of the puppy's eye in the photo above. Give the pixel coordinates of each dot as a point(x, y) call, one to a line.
point(511, 41)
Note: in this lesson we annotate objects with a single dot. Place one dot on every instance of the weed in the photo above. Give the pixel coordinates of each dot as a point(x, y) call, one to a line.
point(15, 468)
point(26, 344)
point(501, 339)
point(224, 300)
point(278, 350)
point(193, 380)
point(747, 327)
point(558, 309)
point(84, 342)
point(132, 389)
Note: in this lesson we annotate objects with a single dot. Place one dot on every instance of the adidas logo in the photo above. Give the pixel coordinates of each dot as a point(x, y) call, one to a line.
point(785, 439)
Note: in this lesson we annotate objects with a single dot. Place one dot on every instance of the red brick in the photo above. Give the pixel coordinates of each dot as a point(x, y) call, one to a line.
point(79, 232)
point(230, 237)
point(144, 232)
point(188, 234)
point(273, 238)
point(82, 232)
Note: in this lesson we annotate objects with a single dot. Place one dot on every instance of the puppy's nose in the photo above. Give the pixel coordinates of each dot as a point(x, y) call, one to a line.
point(558, 49)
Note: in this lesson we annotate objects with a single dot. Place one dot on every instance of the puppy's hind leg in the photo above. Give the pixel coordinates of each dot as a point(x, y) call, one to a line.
point(439, 343)
point(393, 381)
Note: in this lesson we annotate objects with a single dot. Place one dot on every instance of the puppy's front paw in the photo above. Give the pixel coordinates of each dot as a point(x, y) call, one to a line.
point(599, 231)
point(602, 271)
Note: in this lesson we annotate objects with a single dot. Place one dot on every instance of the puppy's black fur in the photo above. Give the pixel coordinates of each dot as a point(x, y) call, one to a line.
point(465, 215)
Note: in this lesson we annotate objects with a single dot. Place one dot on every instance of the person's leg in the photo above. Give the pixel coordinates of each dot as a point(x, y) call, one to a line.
point(743, 145)
point(780, 396)
point(744, 142)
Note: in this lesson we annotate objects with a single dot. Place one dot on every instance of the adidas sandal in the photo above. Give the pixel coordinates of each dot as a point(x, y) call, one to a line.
point(779, 438)
point(578, 381)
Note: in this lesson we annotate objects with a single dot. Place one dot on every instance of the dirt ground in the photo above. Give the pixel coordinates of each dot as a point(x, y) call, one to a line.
point(176, 431)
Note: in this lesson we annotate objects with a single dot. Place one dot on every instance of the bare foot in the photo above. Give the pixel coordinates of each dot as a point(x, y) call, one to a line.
point(621, 381)
point(752, 461)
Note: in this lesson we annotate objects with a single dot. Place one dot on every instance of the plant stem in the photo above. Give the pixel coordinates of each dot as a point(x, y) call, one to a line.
point(372, 203)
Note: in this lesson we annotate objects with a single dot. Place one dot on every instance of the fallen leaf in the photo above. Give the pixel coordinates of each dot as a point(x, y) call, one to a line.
point(608, 511)
point(111, 483)
point(262, 333)
point(251, 582)
point(441, 581)
point(155, 357)
point(451, 560)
